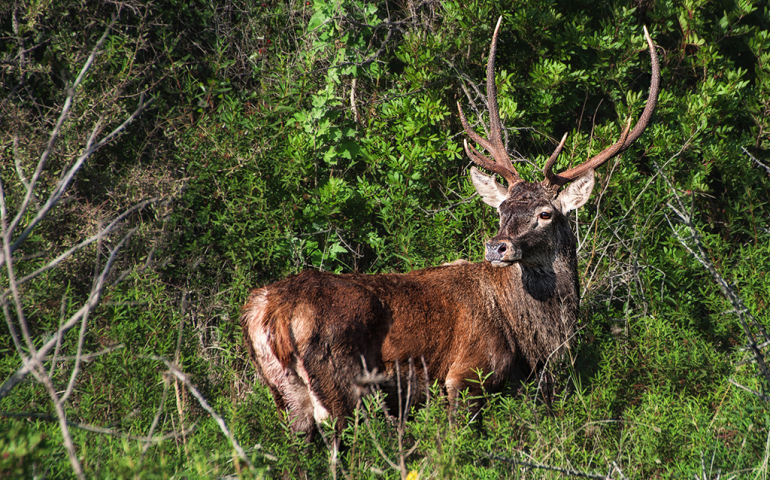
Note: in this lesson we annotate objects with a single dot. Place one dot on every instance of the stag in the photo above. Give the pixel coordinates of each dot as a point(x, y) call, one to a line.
point(314, 335)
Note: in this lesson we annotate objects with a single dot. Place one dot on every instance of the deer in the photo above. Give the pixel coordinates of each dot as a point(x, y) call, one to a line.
point(472, 326)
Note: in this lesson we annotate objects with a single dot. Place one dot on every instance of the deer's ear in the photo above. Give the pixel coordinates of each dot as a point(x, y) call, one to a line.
point(492, 193)
point(576, 194)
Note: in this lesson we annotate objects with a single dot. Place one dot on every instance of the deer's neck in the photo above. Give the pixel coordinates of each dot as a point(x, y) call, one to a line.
point(539, 307)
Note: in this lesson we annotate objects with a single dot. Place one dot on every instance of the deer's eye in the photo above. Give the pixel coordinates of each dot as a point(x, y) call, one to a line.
point(545, 215)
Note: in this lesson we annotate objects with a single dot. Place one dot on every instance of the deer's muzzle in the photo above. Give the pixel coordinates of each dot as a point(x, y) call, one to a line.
point(502, 253)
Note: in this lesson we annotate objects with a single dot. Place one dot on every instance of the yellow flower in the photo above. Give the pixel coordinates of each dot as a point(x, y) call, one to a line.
point(413, 476)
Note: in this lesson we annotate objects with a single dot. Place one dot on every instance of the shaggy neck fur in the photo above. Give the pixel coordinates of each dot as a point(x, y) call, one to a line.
point(539, 306)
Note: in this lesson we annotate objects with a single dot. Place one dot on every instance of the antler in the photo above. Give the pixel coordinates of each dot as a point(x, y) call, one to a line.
point(501, 164)
point(626, 139)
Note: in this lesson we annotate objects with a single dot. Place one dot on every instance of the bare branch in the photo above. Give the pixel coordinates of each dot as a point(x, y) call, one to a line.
point(114, 225)
point(698, 251)
point(59, 336)
point(565, 471)
point(155, 420)
point(62, 185)
point(88, 357)
point(61, 415)
point(759, 395)
point(102, 430)
point(55, 133)
point(767, 169)
point(91, 303)
point(376, 443)
point(203, 403)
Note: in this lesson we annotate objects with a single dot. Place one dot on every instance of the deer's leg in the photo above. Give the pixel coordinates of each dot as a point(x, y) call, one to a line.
point(453, 398)
point(457, 383)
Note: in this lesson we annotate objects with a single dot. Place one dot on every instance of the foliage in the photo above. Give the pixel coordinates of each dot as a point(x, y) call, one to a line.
point(324, 134)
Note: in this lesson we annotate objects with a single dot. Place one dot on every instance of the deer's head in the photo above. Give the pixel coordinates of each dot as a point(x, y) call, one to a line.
point(533, 222)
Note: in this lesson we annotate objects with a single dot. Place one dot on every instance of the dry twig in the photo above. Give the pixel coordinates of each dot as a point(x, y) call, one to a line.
point(175, 371)
point(565, 471)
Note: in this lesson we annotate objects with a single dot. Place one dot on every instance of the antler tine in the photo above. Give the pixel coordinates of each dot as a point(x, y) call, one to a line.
point(627, 138)
point(469, 131)
point(495, 127)
point(510, 175)
point(502, 164)
point(652, 99)
point(548, 169)
point(577, 172)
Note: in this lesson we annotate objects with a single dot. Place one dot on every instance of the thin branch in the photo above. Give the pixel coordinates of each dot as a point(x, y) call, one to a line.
point(616, 468)
point(93, 300)
point(767, 169)
point(55, 132)
point(700, 254)
point(13, 286)
point(203, 403)
point(61, 416)
point(761, 396)
point(155, 420)
point(55, 196)
point(17, 162)
point(87, 357)
point(565, 471)
point(702, 257)
point(102, 430)
point(66, 254)
point(59, 336)
point(376, 443)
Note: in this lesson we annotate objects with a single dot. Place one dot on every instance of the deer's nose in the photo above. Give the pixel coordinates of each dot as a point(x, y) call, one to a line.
point(501, 251)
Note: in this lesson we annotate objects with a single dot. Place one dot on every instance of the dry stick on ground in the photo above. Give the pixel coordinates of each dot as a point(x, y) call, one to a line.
point(698, 251)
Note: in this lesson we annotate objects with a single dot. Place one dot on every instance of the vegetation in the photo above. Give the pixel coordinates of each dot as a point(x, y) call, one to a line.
point(159, 159)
